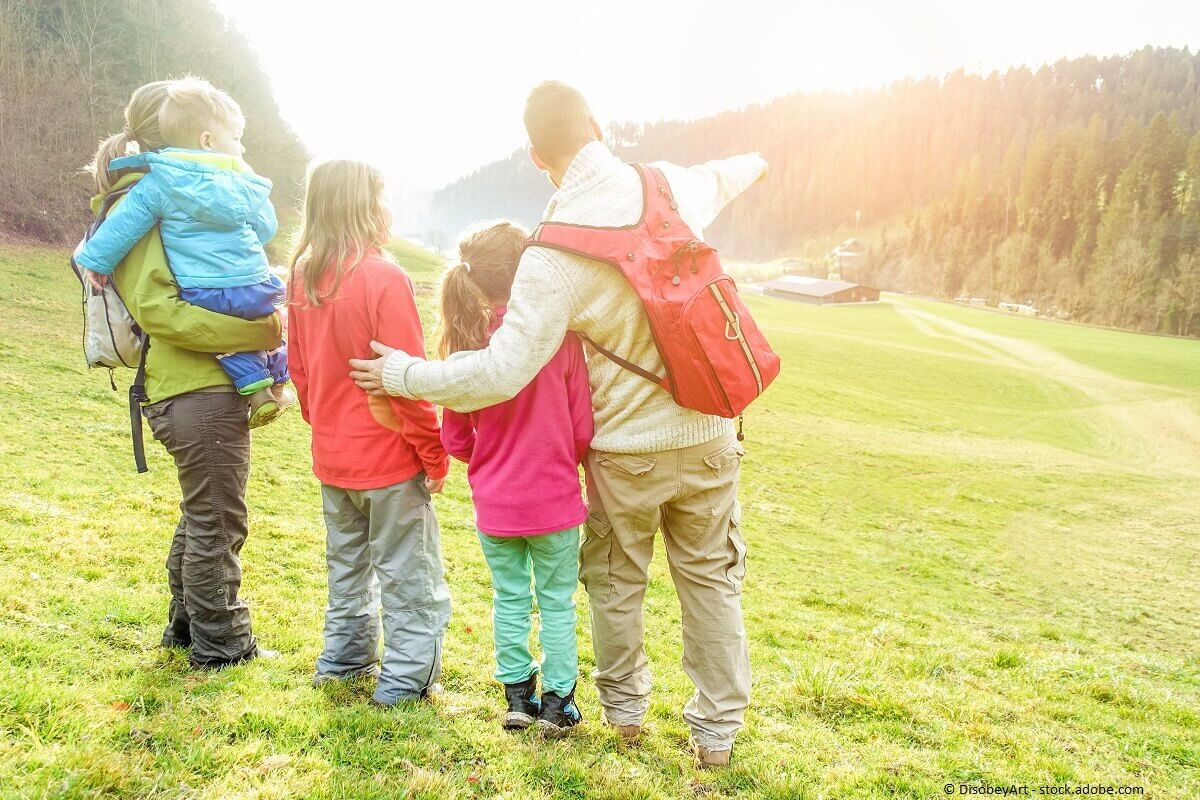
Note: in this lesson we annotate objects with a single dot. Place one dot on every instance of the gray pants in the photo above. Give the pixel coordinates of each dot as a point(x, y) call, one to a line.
point(383, 552)
point(208, 436)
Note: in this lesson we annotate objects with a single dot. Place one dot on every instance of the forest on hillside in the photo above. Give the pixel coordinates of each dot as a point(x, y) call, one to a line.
point(1074, 187)
point(67, 68)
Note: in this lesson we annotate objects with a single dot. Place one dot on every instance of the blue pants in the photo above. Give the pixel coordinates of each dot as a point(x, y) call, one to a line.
point(248, 371)
point(551, 563)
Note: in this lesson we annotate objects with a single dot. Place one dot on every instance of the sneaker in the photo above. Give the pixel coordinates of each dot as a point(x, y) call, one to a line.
point(264, 408)
point(323, 678)
point(559, 714)
point(523, 704)
point(388, 700)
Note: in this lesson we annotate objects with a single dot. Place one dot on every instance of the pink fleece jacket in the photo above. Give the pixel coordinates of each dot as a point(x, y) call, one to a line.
point(523, 455)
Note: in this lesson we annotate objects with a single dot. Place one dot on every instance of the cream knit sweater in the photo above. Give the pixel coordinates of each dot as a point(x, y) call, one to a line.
point(555, 292)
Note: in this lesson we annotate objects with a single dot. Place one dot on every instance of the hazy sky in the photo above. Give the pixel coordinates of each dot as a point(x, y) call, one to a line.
point(430, 90)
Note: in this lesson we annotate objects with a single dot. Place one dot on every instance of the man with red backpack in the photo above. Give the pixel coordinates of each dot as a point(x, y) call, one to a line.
point(667, 336)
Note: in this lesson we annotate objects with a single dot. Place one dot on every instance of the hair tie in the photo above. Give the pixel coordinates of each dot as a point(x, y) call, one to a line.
point(466, 266)
point(128, 133)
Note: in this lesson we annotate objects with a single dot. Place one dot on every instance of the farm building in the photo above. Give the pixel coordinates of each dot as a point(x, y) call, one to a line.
point(818, 291)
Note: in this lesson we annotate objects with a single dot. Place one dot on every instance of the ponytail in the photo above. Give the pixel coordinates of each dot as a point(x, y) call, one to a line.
point(466, 312)
point(113, 147)
point(141, 130)
point(473, 287)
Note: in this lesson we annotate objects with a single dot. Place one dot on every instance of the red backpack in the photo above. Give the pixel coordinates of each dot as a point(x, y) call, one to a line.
point(717, 361)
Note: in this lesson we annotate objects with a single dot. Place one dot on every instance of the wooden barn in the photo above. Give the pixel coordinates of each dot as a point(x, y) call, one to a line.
point(818, 291)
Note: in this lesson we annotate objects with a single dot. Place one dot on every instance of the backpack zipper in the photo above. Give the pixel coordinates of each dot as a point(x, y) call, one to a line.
point(733, 321)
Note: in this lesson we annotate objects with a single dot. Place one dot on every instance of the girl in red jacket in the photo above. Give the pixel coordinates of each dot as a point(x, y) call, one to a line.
point(376, 482)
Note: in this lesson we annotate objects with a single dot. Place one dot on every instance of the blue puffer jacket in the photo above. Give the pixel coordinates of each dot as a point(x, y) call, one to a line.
point(215, 216)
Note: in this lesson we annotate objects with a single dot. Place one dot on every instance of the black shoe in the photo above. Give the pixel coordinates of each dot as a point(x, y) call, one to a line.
point(559, 714)
point(523, 704)
point(215, 665)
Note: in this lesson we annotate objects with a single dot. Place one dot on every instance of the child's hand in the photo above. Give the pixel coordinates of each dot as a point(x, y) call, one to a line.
point(97, 280)
point(435, 486)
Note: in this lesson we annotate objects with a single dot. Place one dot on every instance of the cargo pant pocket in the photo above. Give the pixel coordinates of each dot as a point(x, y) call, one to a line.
point(595, 557)
point(158, 417)
point(736, 572)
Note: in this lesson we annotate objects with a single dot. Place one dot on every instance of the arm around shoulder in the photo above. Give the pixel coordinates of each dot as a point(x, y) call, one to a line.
point(540, 309)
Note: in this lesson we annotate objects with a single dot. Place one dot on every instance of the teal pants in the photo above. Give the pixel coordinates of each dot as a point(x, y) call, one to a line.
point(551, 563)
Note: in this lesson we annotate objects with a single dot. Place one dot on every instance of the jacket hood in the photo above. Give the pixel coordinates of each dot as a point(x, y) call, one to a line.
point(211, 187)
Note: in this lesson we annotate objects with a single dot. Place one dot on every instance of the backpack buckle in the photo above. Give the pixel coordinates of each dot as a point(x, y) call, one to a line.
point(734, 325)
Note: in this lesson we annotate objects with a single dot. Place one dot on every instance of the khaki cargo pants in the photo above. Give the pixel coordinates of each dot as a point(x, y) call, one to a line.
point(691, 495)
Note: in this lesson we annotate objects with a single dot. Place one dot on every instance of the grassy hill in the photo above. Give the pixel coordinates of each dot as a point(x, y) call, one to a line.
point(974, 547)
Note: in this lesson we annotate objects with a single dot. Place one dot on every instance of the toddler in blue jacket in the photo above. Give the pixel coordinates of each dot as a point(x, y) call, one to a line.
point(215, 215)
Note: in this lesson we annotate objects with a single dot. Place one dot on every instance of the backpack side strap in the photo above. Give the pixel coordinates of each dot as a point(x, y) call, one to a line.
point(137, 396)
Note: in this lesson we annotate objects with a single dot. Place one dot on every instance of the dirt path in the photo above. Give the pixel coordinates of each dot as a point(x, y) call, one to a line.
point(1144, 424)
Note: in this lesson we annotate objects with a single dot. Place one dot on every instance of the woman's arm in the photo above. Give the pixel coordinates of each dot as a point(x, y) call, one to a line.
point(145, 283)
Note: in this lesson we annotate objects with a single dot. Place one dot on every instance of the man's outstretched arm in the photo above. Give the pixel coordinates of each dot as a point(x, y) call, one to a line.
point(705, 189)
point(539, 311)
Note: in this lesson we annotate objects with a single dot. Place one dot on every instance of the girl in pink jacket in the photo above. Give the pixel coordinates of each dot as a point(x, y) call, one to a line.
point(523, 460)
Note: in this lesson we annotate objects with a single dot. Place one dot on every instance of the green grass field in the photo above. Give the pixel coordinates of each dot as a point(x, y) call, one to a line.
point(974, 557)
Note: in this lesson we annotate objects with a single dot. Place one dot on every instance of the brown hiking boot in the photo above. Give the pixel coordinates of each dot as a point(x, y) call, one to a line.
point(628, 733)
point(713, 759)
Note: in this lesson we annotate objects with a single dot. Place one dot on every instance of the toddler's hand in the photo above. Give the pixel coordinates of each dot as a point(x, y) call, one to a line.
point(97, 280)
point(435, 486)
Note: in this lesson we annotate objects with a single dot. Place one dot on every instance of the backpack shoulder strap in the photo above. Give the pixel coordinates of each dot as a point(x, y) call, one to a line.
point(105, 206)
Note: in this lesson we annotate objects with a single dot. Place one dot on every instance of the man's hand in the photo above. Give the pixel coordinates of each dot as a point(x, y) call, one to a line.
point(435, 486)
point(368, 372)
point(97, 280)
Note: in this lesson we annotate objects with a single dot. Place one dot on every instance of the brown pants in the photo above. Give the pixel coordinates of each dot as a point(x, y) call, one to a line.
point(208, 436)
point(691, 494)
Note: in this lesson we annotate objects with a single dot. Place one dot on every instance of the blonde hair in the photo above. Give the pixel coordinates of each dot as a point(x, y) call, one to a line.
point(344, 218)
point(192, 106)
point(141, 126)
point(483, 278)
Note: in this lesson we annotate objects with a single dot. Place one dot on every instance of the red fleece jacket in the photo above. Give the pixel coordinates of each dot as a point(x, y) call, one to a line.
point(349, 448)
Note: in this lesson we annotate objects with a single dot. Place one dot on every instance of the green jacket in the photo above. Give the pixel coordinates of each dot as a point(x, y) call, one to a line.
point(183, 337)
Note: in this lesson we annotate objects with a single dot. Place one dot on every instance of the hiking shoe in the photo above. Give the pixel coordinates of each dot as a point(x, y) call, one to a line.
point(523, 704)
point(559, 714)
point(213, 665)
point(628, 733)
point(713, 759)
